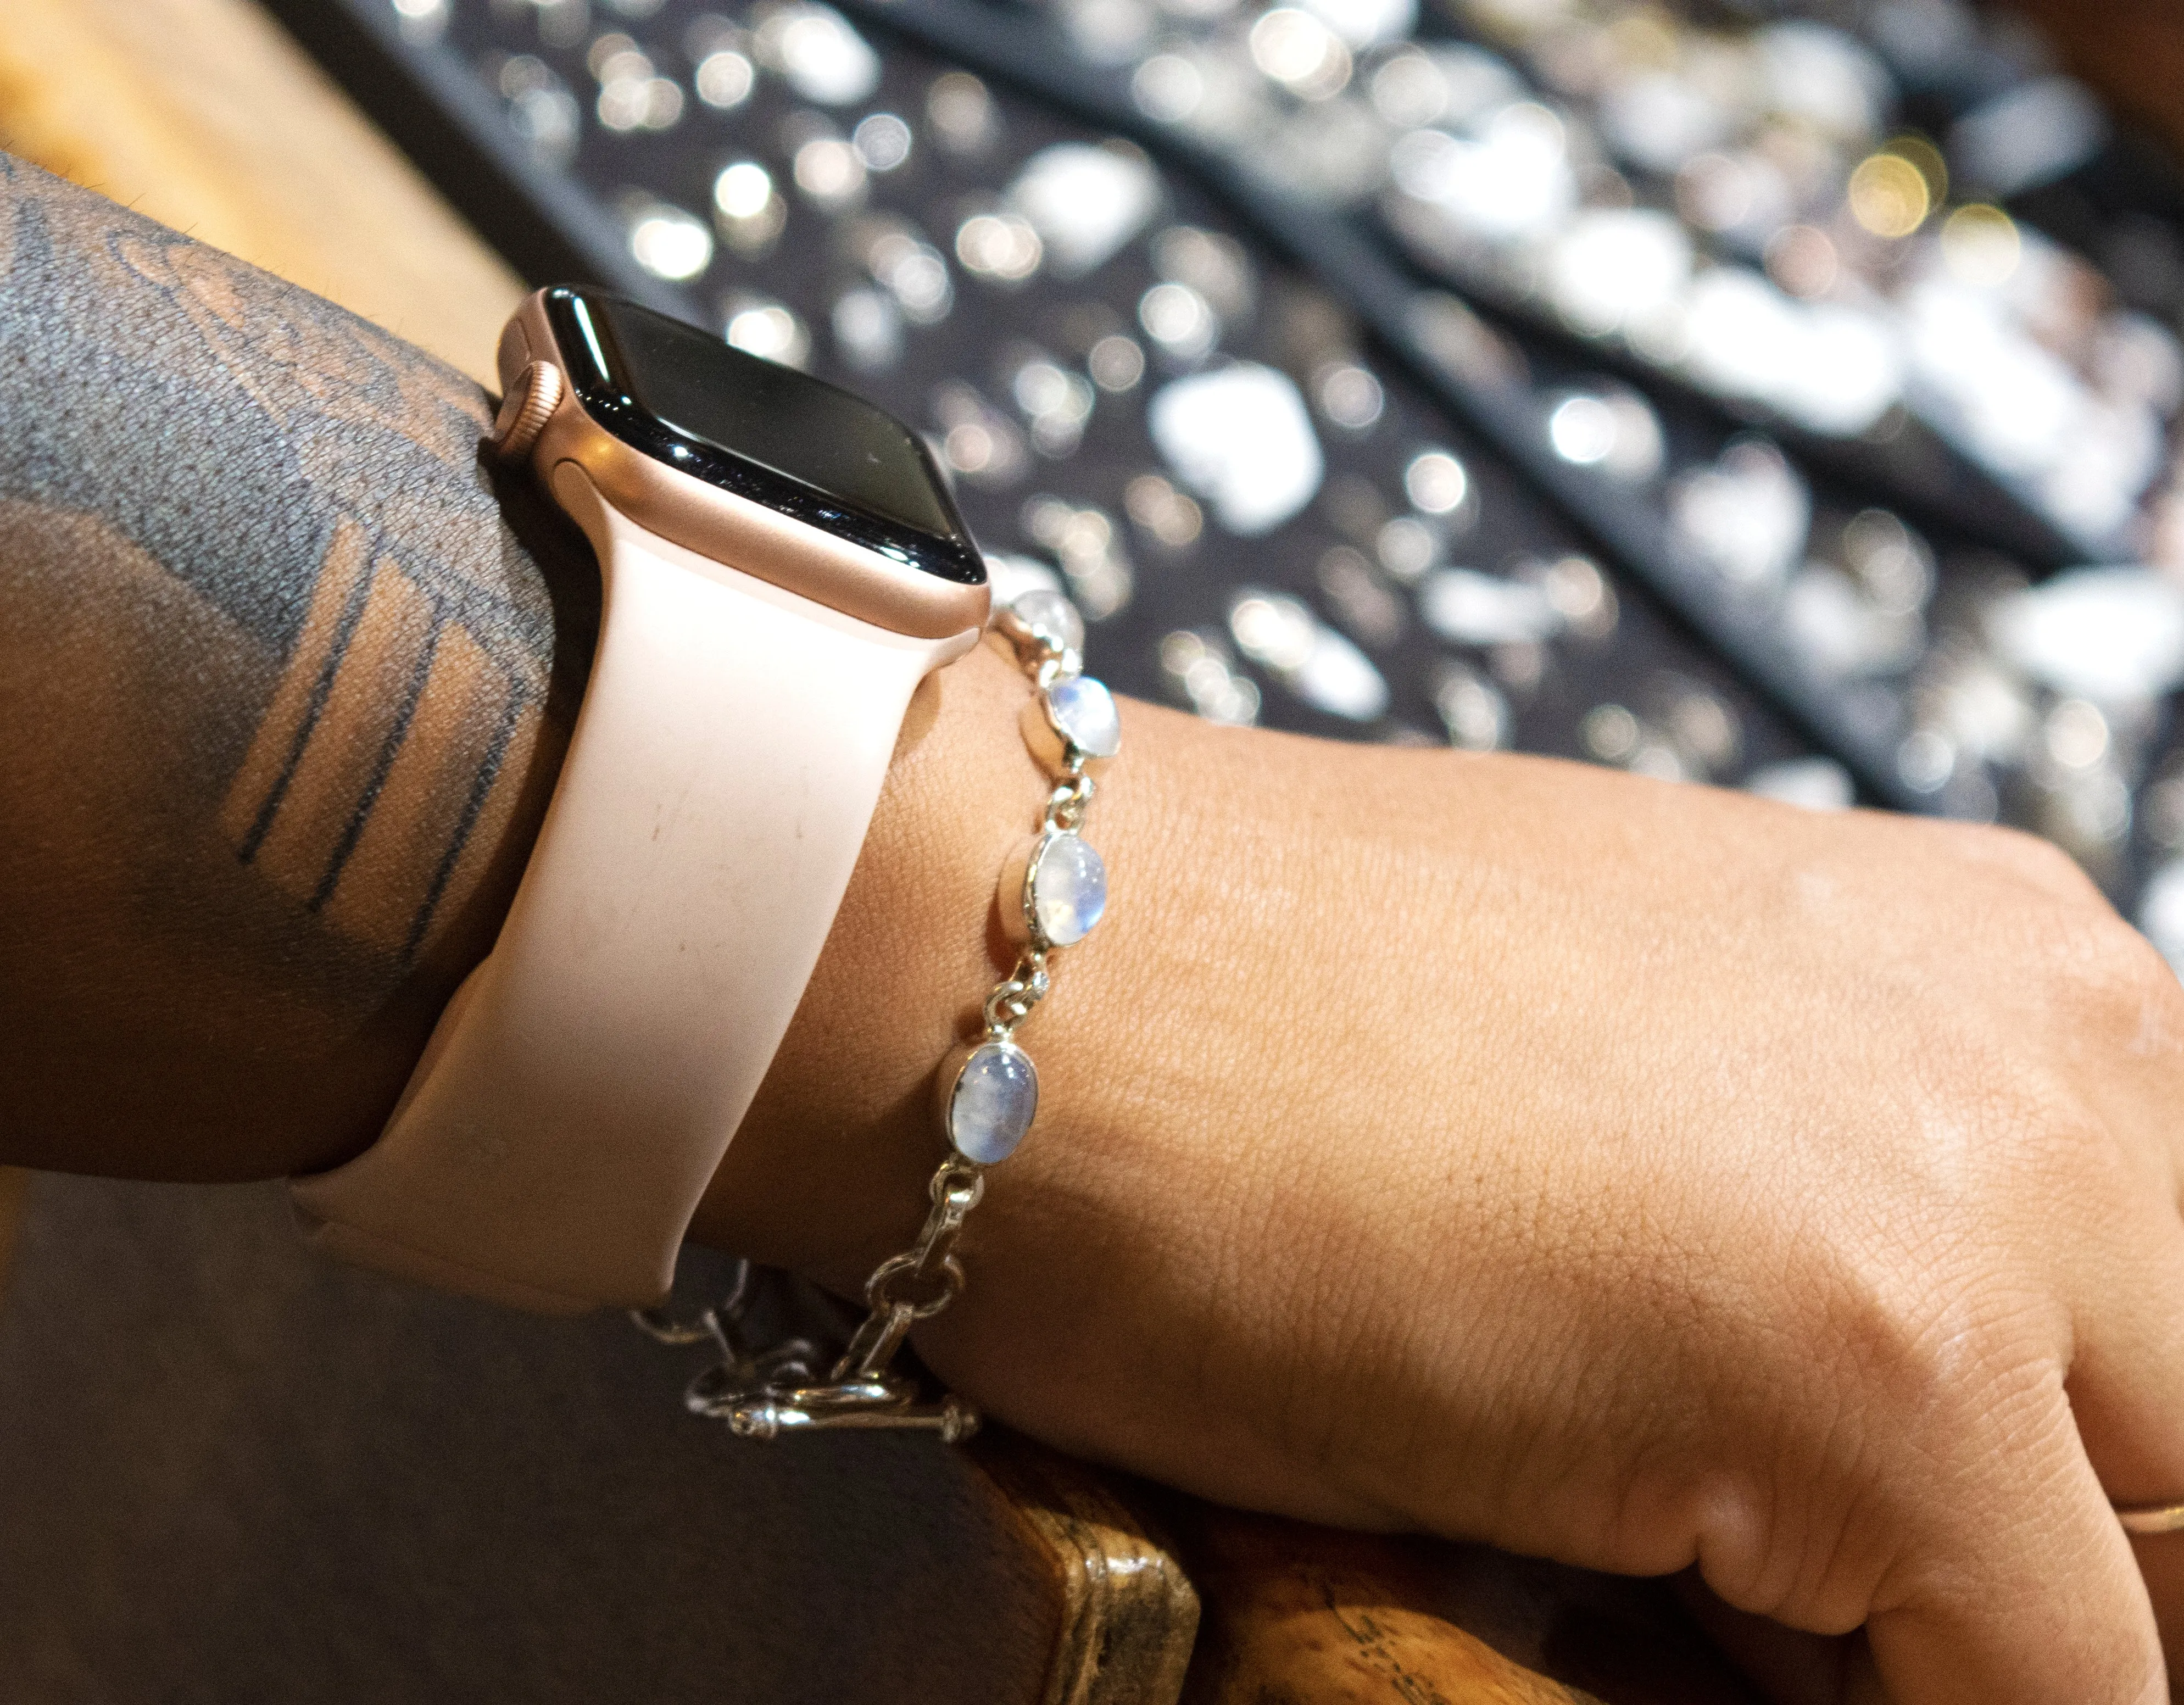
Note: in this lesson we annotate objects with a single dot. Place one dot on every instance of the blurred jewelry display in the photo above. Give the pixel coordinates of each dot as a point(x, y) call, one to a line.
point(1761, 216)
point(1788, 404)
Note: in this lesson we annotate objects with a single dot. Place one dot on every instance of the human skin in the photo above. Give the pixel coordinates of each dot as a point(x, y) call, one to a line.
point(1647, 1177)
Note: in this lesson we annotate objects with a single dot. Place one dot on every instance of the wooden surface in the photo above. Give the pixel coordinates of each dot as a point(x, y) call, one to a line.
point(1299, 1615)
point(202, 114)
point(1125, 1613)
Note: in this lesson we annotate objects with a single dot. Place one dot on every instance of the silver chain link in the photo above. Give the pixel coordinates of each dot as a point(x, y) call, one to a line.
point(765, 1393)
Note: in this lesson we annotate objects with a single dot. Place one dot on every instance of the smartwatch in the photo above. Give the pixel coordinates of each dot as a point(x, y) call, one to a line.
point(782, 565)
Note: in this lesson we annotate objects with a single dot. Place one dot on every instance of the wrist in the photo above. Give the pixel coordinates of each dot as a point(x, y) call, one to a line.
point(828, 1168)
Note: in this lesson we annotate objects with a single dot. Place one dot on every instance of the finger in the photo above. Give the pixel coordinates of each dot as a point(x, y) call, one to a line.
point(2028, 1593)
point(2126, 1376)
point(2126, 1387)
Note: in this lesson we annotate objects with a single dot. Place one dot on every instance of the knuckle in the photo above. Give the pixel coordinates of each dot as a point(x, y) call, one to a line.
point(2029, 857)
point(2018, 1168)
point(2141, 969)
point(1917, 1368)
point(2066, 936)
point(2063, 936)
point(2109, 969)
point(1933, 1336)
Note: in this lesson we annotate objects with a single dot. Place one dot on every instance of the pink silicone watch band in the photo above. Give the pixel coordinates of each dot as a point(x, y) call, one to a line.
point(582, 1085)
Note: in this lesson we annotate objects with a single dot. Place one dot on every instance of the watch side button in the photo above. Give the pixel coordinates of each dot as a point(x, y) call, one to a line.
point(523, 410)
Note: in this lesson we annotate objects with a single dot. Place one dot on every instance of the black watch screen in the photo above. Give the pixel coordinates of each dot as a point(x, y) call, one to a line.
point(764, 432)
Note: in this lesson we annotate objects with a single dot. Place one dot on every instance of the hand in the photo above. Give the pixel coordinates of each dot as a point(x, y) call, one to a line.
point(1629, 1173)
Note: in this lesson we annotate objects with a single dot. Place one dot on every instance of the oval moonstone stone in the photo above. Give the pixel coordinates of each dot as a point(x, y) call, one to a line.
point(1068, 890)
point(991, 1106)
point(1084, 711)
point(1048, 617)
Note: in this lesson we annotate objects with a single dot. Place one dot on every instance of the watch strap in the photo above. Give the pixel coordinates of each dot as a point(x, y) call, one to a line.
point(582, 1085)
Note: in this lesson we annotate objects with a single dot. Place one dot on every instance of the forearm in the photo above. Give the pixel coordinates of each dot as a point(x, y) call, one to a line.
point(285, 693)
point(289, 680)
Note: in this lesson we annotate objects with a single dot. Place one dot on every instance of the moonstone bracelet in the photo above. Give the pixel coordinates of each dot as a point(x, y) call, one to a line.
point(1053, 890)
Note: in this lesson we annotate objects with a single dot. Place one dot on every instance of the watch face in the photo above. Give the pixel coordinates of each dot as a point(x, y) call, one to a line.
point(764, 432)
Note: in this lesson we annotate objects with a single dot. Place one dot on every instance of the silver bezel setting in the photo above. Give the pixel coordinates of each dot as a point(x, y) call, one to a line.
point(1019, 896)
point(953, 1074)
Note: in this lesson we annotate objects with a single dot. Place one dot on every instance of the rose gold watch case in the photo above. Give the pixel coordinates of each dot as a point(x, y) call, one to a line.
point(721, 526)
